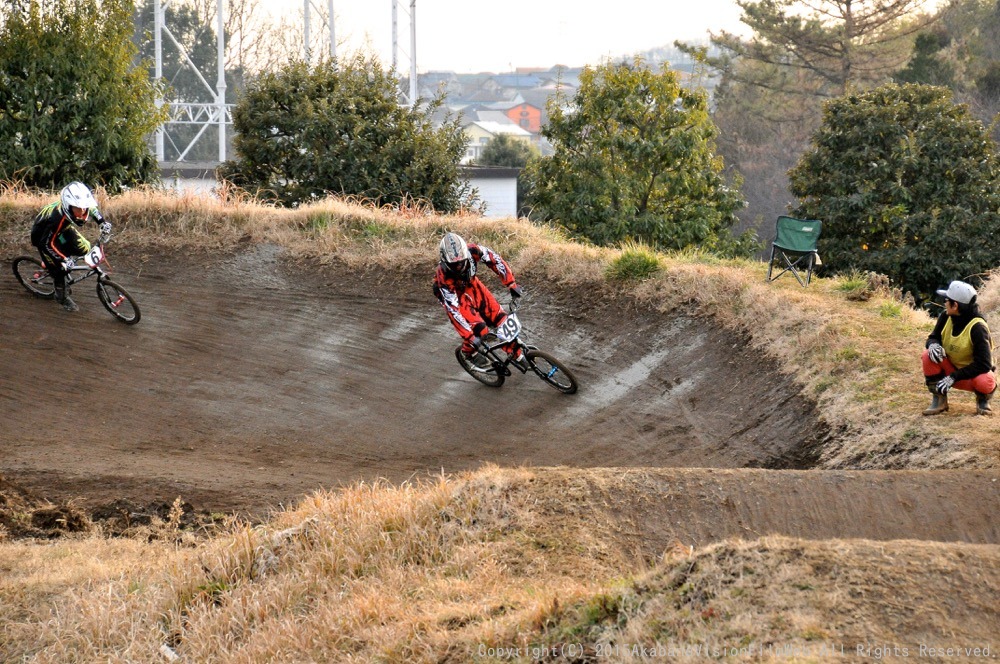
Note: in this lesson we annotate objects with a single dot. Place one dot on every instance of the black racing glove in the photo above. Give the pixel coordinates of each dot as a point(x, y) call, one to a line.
point(516, 292)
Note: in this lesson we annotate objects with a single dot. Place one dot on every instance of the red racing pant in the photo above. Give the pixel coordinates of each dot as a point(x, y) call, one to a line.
point(984, 383)
point(477, 311)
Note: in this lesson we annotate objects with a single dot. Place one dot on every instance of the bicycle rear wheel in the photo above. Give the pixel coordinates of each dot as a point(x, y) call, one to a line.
point(490, 376)
point(117, 300)
point(552, 371)
point(34, 276)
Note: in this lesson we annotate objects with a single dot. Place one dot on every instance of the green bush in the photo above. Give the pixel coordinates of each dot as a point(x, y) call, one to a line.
point(907, 184)
point(305, 132)
point(73, 103)
point(635, 158)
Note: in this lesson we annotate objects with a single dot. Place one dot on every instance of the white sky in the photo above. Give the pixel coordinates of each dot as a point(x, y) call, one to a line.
point(473, 35)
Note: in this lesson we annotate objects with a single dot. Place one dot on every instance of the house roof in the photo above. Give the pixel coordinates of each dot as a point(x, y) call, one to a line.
point(518, 80)
point(488, 172)
point(540, 98)
point(484, 115)
point(497, 128)
point(518, 100)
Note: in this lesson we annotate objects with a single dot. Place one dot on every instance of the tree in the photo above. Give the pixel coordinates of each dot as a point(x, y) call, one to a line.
point(761, 140)
point(907, 184)
point(634, 159)
point(73, 106)
point(820, 47)
point(924, 65)
point(800, 53)
point(337, 128)
point(503, 150)
point(252, 44)
point(196, 36)
point(962, 52)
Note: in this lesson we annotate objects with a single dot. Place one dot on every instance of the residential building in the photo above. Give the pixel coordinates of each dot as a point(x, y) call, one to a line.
point(521, 113)
point(480, 132)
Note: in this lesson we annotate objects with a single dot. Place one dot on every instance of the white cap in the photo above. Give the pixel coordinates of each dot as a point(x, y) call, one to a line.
point(959, 291)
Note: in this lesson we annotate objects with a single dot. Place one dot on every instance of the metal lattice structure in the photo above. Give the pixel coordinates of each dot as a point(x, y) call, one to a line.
point(219, 114)
point(412, 96)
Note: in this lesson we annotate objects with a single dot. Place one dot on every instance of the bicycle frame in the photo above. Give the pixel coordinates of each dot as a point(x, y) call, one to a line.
point(518, 353)
point(501, 364)
point(93, 260)
point(36, 279)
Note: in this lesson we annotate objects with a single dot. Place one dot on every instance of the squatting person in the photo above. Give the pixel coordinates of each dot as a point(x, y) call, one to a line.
point(959, 352)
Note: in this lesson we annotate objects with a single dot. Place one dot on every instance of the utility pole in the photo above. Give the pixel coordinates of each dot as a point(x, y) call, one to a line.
point(307, 47)
point(333, 33)
point(413, 46)
point(158, 57)
point(413, 52)
point(220, 84)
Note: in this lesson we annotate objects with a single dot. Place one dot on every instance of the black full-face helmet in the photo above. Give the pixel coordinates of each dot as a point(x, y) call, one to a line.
point(456, 260)
point(76, 200)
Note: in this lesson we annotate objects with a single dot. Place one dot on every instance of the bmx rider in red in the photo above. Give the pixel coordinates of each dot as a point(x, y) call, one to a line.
point(471, 307)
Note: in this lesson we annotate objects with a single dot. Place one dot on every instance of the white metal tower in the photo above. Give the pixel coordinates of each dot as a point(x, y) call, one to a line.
point(217, 113)
point(412, 97)
point(307, 19)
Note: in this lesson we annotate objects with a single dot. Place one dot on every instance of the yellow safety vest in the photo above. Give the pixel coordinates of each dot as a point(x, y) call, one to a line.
point(959, 348)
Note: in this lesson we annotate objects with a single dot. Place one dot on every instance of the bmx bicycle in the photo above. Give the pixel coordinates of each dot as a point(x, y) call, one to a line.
point(505, 348)
point(35, 277)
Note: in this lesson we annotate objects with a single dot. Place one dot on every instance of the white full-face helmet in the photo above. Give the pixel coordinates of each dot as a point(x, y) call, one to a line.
point(456, 260)
point(76, 200)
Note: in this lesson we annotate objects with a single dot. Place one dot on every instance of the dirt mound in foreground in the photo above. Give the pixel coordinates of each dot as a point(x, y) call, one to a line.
point(779, 599)
point(520, 559)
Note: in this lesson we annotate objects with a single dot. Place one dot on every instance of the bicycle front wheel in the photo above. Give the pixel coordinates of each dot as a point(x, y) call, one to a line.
point(34, 276)
point(117, 300)
point(552, 371)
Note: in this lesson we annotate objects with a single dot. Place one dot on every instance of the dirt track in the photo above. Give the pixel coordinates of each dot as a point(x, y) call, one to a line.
point(251, 380)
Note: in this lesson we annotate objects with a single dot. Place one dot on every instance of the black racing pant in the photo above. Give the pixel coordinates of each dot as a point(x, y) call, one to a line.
point(70, 242)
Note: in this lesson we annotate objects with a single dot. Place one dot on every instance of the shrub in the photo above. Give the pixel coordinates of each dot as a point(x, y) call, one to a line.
point(907, 184)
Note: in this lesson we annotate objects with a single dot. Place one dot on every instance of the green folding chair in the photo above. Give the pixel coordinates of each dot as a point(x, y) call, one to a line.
point(794, 248)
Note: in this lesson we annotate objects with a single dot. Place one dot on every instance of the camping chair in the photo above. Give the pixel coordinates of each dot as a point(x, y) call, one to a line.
point(794, 248)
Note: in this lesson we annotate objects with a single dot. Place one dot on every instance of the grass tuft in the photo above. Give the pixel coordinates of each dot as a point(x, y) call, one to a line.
point(636, 262)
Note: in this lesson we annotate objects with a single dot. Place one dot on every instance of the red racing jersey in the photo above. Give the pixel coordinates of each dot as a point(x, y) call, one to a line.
point(461, 298)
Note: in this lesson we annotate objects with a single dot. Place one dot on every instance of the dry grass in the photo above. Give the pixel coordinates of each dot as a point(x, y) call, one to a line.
point(373, 571)
point(504, 559)
point(779, 599)
point(437, 571)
